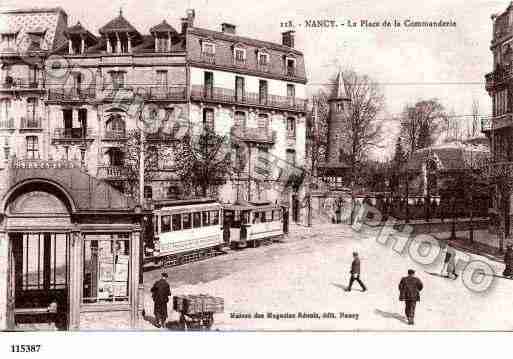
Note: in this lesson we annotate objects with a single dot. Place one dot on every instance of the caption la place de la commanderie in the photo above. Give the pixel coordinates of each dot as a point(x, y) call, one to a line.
point(367, 23)
point(298, 315)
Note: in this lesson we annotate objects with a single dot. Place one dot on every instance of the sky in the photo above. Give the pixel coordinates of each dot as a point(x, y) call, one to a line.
point(410, 63)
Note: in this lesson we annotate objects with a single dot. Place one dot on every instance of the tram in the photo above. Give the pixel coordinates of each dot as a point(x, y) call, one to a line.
point(251, 223)
point(184, 231)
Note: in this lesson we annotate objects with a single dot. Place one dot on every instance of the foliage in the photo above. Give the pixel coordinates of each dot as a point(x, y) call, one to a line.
point(203, 163)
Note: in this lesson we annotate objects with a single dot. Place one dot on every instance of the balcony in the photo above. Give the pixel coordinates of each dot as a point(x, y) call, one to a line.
point(72, 135)
point(31, 123)
point(501, 169)
point(111, 173)
point(19, 83)
point(208, 58)
point(71, 94)
point(23, 163)
point(163, 93)
point(229, 96)
point(115, 135)
point(290, 71)
point(256, 135)
point(7, 124)
point(163, 136)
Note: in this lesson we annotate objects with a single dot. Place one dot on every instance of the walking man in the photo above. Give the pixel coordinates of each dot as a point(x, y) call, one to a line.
point(409, 292)
point(355, 273)
point(160, 293)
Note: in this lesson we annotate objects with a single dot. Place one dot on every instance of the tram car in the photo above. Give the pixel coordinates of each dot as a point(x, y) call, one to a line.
point(252, 223)
point(184, 231)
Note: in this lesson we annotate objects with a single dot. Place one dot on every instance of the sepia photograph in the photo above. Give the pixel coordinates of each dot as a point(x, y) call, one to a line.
point(271, 166)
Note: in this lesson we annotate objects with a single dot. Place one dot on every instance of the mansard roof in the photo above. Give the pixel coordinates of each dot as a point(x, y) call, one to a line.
point(119, 24)
point(162, 27)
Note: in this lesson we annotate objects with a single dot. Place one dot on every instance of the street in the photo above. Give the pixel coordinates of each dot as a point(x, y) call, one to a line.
point(293, 284)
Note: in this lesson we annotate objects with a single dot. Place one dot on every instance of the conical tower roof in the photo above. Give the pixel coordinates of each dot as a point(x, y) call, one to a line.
point(339, 91)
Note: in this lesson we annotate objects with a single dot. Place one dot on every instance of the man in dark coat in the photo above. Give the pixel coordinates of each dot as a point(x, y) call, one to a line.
point(160, 293)
point(409, 292)
point(508, 261)
point(355, 273)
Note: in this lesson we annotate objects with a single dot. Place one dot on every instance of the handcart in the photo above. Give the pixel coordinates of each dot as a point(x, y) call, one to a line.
point(197, 311)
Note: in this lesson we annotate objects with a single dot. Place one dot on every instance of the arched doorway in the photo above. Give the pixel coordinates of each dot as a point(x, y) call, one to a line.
point(37, 222)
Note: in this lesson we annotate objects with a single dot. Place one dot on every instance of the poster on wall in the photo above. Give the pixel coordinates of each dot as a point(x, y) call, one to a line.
point(121, 270)
point(119, 289)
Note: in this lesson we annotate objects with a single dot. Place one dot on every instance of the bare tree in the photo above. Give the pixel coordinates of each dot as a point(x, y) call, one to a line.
point(317, 133)
point(420, 122)
point(362, 130)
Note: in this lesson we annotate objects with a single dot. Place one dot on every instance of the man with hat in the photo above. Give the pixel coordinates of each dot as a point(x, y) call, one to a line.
point(508, 262)
point(355, 273)
point(409, 292)
point(160, 293)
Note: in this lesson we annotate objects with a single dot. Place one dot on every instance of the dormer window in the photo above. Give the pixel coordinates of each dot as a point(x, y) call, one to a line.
point(263, 59)
point(208, 48)
point(290, 66)
point(239, 54)
point(161, 43)
point(208, 51)
point(8, 40)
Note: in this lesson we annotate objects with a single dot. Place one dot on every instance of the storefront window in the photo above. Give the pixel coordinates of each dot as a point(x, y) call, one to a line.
point(106, 268)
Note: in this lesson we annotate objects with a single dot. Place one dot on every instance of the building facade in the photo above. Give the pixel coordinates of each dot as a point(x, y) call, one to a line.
point(71, 107)
point(498, 129)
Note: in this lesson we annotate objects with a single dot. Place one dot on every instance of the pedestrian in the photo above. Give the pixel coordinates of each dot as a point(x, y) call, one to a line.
point(444, 246)
point(355, 273)
point(450, 256)
point(508, 262)
point(160, 294)
point(409, 293)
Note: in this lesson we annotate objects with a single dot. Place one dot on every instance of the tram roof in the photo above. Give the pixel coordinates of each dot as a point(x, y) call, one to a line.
point(183, 202)
point(255, 205)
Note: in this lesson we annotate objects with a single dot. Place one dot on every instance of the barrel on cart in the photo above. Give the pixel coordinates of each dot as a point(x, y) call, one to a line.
point(197, 311)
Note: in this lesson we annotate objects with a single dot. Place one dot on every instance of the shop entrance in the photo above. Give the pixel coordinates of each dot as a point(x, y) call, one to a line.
point(41, 276)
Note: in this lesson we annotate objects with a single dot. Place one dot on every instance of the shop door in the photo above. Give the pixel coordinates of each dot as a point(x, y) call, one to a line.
point(41, 275)
point(11, 289)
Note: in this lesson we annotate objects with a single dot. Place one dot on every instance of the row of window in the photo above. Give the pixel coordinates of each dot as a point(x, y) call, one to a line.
point(240, 87)
point(6, 107)
point(240, 120)
point(181, 221)
point(208, 50)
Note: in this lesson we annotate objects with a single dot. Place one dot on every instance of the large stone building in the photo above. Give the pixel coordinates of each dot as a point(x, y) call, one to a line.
point(69, 100)
point(499, 129)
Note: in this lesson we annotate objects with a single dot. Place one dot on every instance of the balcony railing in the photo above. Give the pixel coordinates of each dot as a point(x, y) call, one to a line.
point(501, 169)
point(218, 94)
point(257, 135)
point(72, 134)
point(208, 58)
point(176, 93)
point(115, 135)
point(7, 124)
point(290, 71)
point(71, 94)
point(113, 173)
point(30, 123)
point(19, 83)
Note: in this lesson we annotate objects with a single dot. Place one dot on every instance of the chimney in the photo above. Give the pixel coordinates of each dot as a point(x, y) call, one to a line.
point(287, 38)
point(188, 21)
point(228, 28)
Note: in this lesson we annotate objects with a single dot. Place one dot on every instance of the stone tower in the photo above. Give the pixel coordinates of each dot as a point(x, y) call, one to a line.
point(338, 103)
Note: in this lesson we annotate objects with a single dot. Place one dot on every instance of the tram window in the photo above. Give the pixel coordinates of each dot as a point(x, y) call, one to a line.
point(269, 215)
point(214, 218)
point(155, 224)
point(165, 223)
point(262, 217)
point(177, 222)
point(244, 217)
point(256, 217)
point(205, 218)
point(186, 217)
point(196, 219)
